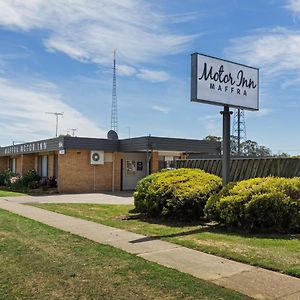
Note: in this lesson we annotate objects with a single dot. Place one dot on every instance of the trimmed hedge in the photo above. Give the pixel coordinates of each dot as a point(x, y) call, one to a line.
point(178, 194)
point(258, 204)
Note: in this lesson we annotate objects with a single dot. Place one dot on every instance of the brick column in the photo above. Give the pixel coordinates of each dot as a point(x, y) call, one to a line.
point(154, 162)
point(51, 165)
point(117, 156)
point(19, 164)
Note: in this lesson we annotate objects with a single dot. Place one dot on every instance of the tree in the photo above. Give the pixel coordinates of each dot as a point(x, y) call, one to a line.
point(282, 154)
point(213, 138)
point(248, 148)
point(251, 148)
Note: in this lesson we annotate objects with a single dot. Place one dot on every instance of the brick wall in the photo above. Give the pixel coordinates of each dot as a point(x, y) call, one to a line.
point(27, 163)
point(76, 174)
point(4, 163)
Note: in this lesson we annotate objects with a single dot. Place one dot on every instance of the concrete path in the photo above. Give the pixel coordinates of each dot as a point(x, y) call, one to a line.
point(97, 198)
point(254, 282)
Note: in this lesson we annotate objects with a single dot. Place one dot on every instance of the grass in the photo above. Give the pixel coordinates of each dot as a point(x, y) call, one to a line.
point(275, 252)
point(41, 262)
point(4, 193)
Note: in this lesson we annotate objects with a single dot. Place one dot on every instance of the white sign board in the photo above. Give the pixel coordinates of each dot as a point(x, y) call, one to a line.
point(220, 82)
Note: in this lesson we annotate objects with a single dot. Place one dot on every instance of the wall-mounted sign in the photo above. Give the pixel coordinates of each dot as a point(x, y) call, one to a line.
point(220, 82)
point(130, 167)
point(24, 148)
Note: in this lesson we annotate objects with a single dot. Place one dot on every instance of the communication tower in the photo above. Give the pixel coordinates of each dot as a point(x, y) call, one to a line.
point(239, 128)
point(114, 104)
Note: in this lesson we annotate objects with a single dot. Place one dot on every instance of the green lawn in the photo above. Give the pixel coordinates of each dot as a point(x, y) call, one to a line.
point(275, 252)
point(41, 262)
point(4, 193)
point(26, 192)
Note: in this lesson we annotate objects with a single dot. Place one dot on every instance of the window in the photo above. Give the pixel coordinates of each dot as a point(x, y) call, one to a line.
point(43, 166)
point(13, 165)
point(167, 162)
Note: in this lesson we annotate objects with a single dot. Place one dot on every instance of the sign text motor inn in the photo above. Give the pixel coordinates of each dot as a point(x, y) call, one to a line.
point(30, 147)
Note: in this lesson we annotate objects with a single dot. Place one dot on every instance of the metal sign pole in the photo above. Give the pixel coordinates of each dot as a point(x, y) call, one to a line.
point(226, 146)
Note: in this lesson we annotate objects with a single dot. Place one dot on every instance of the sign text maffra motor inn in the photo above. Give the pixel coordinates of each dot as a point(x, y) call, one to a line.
point(220, 82)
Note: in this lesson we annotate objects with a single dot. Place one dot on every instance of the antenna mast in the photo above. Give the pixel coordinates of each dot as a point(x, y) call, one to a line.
point(114, 104)
point(74, 130)
point(57, 114)
point(239, 128)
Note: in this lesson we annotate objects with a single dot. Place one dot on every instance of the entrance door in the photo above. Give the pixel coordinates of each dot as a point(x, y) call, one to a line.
point(134, 169)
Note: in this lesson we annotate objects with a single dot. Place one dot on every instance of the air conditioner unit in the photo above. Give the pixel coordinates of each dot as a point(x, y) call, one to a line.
point(97, 157)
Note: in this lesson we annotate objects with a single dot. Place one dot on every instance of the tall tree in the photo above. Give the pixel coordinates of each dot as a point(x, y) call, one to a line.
point(213, 138)
point(248, 148)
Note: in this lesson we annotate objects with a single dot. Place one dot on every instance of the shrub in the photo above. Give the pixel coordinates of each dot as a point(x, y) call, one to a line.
point(16, 183)
point(52, 183)
point(5, 177)
point(30, 178)
point(179, 194)
point(258, 204)
point(33, 185)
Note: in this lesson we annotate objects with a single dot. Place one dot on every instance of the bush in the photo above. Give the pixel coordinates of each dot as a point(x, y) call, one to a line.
point(52, 183)
point(16, 183)
point(178, 194)
point(5, 177)
point(258, 204)
point(21, 183)
point(30, 179)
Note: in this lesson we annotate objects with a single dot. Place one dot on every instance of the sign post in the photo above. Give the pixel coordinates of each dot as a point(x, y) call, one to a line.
point(226, 146)
point(221, 82)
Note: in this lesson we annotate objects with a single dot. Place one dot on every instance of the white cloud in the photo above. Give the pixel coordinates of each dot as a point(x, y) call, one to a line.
point(89, 30)
point(294, 6)
point(212, 124)
point(262, 112)
point(184, 17)
point(153, 76)
point(23, 118)
point(162, 109)
point(126, 70)
point(276, 52)
point(45, 85)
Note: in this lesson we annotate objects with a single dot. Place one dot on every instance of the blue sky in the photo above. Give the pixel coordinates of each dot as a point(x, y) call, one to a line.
point(58, 57)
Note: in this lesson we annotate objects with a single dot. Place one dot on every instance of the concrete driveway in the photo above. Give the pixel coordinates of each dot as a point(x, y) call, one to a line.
point(97, 198)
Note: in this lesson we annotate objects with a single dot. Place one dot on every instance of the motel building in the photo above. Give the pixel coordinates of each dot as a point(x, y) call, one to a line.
point(82, 165)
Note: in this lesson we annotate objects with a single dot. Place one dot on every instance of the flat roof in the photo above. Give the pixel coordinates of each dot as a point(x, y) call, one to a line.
point(137, 144)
